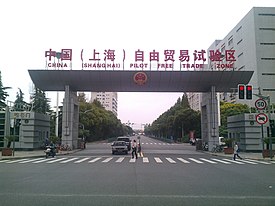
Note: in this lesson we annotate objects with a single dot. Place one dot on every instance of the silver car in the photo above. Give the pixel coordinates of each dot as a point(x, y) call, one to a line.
point(119, 147)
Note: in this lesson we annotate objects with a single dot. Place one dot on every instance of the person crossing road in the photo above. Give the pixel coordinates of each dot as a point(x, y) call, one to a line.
point(134, 149)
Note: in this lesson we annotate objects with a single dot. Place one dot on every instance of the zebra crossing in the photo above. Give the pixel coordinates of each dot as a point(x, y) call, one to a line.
point(145, 160)
point(149, 143)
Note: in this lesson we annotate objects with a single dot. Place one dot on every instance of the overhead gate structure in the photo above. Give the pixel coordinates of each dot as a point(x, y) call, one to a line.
point(72, 81)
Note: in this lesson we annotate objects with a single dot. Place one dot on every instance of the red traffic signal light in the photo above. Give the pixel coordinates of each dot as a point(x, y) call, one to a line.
point(241, 91)
point(249, 91)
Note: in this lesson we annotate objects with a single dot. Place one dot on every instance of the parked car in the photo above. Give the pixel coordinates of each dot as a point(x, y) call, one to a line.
point(127, 140)
point(119, 147)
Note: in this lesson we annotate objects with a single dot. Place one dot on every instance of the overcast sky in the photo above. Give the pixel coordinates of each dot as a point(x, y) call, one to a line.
point(31, 27)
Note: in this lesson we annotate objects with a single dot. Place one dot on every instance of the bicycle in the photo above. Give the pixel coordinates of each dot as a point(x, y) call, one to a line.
point(65, 147)
point(217, 148)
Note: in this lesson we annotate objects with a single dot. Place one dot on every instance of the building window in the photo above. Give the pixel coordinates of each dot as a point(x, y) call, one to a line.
point(267, 43)
point(240, 55)
point(230, 41)
point(267, 29)
point(241, 68)
point(239, 41)
point(239, 29)
point(267, 58)
point(266, 14)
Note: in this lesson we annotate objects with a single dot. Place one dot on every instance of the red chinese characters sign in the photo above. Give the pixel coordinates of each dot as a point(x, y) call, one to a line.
point(139, 59)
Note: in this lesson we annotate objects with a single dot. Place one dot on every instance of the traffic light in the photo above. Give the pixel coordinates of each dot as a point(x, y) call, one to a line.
point(248, 91)
point(241, 91)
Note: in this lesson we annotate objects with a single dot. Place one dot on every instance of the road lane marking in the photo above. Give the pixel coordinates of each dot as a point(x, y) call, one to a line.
point(140, 154)
point(224, 162)
point(132, 160)
point(145, 160)
point(261, 162)
point(56, 160)
point(32, 160)
point(39, 161)
point(183, 160)
point(14, 161)
point(245, 161)
point(69, 160)
point(82, 160)
point(94, 160)
point(120, 159)
point(158, 160)
point(170, 160)
point(194, 160)
point(234, 161)
point(107, 159)
point(206, 160)
point(4, 161)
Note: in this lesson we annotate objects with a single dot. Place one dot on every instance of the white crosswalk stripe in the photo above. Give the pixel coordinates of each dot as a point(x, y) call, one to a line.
point(261, 162)
point(234, 161)
point(31, 160)
point(95, 159)
point(245, 161)
point(82, 160)
point(132, 160)
point(4, 161)
point(158, 160)
point(107, 160)
point(69, 160)
point(183, 160)
point(120, 159)
point(224, 162)
point(170, 160)
point(141, 159)
point(56, 160)
point(209, 161)
point(194, 160)
point(14, 161)
point(39, 161)
point(145, 160)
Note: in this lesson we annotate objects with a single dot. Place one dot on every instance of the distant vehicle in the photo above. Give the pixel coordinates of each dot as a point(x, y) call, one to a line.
point(119, 147)
point(127, 140)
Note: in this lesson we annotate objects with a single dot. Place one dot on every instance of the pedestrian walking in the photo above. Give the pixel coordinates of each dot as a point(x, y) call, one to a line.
point(236, 152)
point(139, 149)
point(134, 149)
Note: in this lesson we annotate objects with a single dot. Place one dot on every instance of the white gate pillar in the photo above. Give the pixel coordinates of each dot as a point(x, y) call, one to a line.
point(209, 118)
point(70, 118)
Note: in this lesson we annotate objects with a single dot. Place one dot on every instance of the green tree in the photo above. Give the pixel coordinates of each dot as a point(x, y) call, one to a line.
point(19, 103)
point(177, 120)
point(40, 102)
point(229, 109)
point(98, 123)
point(3, 94)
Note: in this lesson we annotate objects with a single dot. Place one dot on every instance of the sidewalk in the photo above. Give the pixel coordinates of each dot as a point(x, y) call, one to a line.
point(244, 155)
point(35, 153)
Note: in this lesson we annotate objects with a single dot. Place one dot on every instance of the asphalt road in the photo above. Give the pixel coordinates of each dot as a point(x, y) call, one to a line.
point(167, 174)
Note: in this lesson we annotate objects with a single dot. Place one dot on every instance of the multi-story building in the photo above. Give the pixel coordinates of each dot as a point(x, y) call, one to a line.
point(253, 40)
point(107, 99)
point(194, 100)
